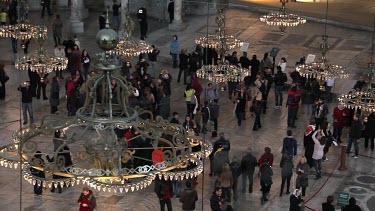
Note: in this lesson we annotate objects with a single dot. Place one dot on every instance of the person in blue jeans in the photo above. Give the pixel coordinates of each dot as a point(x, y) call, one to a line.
point(174, 50)
point(354, 135)
point(279, 79)
point(27, 101)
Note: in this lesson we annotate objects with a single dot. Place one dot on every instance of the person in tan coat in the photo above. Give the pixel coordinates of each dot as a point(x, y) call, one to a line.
point(226, 181)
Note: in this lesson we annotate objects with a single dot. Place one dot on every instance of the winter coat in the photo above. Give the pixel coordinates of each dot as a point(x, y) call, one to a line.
point(214, 110)
point(307, 97)
point(54, 98)
point(308, 143)
point(188, 198)
point(339, 118)
point(302, 179)
point(296, 96)
point(164, 189)
point(264, 156)
point(318, 148)
point(57, 28)
point(370, 125)
point(287, 166)
point(89, 200)
point(280, 78)
point(356, 130)
point(175, 47)
point(321, 111)
point(248, 164)
point(290, 146)
point(265, 174)
point(215, 202)
point(294, 203)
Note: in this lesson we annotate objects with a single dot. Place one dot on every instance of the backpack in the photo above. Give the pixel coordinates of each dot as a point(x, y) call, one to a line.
point(235, 167)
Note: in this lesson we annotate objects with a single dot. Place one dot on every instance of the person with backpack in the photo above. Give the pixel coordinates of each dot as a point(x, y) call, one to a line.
point(86, 200)
point(248, 164)
point(279, 79)
point(214, 112)
point(235, 167)
point(286, 166)
point(293, 104)
point(265, 175)
point(289, 145)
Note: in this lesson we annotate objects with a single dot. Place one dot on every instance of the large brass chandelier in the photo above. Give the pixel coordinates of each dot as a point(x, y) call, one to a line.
point(363, 100)
point(224, 71)
point(102, 157)
point(321, 70)
point(41, 62)
point(282, 19)
point(128, 47)
point(23, 30)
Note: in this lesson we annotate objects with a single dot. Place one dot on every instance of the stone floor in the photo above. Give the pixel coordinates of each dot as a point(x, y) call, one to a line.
point(350, 48)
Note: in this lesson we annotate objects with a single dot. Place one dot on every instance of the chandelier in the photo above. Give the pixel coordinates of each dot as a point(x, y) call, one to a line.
point(224, 71)
point(128, 47)
point(282, 19)
point(23, 30)
point(41, 62)
point(220, 38)
point(321, 70)
point(103, 158)
point(364, 99)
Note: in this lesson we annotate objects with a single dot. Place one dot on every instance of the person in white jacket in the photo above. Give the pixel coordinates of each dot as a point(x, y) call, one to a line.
point(318, 152)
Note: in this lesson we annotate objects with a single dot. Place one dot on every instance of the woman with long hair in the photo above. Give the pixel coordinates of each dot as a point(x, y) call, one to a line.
point(85, 58)
point(302, 171)
point(225, 179)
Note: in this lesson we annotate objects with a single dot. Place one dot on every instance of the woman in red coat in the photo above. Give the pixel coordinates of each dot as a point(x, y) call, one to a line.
point(87, 201)
point(340, 113)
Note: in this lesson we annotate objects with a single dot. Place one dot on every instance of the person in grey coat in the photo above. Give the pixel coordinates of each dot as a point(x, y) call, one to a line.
point(286, 165)
point(57, 26)
point(302, 171)
point(188, 197)
point(54, 98)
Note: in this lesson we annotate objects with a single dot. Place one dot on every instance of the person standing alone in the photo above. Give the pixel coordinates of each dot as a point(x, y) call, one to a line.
point(174, 50)
point(27, 101)
point(354, 136)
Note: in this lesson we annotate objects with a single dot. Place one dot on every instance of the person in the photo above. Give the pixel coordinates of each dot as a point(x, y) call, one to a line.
point(265, 174)
point(73, 61)
point(86, 200)
point(321, 112)
point(235, 167)
point(308, 101)
point(46, 4)
point(328, 87)
point(14, 44)
point(215, 199)
point(59, 52)
point(164, 191)
point(220, 152)
point(102, 20)
point(197, 86)
point(240, 101)
point(308, 144)
point(244, 61)
point(211, 93)
point(188, 197)
point(282, 64)
point(3, 79)
point(340, 113)
point(370, 131)
point(319, 145)
point(289, 145)
point(225, 180)
point(302, 171)
point(355, 134)
point(267, 155)
point(352, 206)
point(257, 110)
point(279, 79)
point(265, 63)
point(85, 59)
point(325, 126)
point(142, 18)
point(174, 50)
point(54, 98)
point(153, 57)
point(254, 68)
point(171, 11)
point(3, 17)
point(327, 206)
point(57, 140)
point(174, 119)
point(248, 164)
point(38, 161)
point(293, 104)
point(116, 15)
point(295, 201)
point(184, 65)
point(190, 99)
point(286, 165)
point(57, 26)
point(360, 84)
point(212, 140)
point(214, 112)
point(27, 101)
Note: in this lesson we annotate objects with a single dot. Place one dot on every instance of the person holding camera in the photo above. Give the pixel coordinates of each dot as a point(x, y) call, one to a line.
point(27, 101)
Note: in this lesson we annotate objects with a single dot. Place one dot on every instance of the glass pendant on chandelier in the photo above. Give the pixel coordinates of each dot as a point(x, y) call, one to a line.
point(22, 30)
point(128, 47)
point(321, 70)
point(41, 62)
point(282, 19)
point(224, 71)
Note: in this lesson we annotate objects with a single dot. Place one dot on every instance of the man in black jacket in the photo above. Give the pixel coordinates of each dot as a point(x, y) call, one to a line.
point(354, 135)
point(265, 174)
point(248, 164)
point(142, 17)
point(369, 131)
point(215, 199)
point(27, 101)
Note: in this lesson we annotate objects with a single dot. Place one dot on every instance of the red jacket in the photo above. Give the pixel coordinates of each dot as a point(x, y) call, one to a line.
point(338, 116)
point(296, 95)
point(89, 200)
point(264, 156)
point(196, 86)
point(70, 87)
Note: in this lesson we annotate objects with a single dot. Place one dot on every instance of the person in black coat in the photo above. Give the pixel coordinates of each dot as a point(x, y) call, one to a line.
point(46, 4)
point(265, 174)
point(102, 20)
point(352, 206)
point(142, 17)
point(215, 199)
point(3, 79)
point(248, 164)
point(287, 166)
point(355, 134)
point(171, 11)
point(308, 144)
point(295, 201)
point(370, 131)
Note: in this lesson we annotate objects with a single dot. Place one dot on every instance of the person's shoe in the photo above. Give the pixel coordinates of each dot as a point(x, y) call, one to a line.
point(325, 159)
point(354, 156)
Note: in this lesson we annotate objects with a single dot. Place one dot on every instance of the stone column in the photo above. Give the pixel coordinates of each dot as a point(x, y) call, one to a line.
point(177, 24)
point(76, 17)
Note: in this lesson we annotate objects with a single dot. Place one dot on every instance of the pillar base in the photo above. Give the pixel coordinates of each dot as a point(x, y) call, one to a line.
point(76, 26)
point(177, 26)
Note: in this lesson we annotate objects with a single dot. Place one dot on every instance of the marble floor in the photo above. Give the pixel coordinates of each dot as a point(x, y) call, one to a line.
point(350, 48)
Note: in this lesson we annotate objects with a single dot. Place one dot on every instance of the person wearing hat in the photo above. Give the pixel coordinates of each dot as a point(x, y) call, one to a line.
point(308, 143)
point(86, 200)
